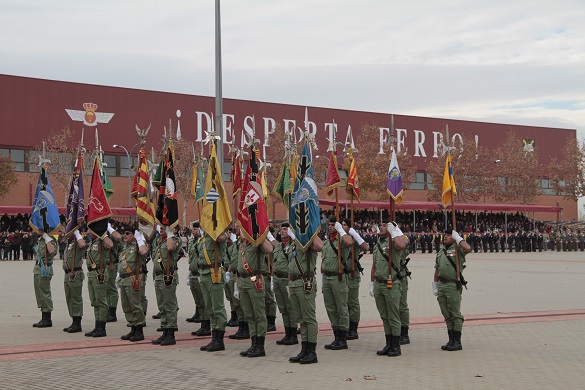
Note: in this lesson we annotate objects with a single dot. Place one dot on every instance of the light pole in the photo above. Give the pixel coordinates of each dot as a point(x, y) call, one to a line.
point(129, 170)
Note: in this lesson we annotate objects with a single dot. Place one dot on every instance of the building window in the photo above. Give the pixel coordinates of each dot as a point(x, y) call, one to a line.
point(18, 158)
point(110, 165)
point(420, 179)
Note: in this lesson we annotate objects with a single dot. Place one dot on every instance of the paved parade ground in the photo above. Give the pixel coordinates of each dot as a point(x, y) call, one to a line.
point(524, 329)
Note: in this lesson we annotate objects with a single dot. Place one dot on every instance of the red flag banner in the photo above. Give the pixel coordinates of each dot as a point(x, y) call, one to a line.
point(98, 209)
point(332, 179)
point(252, 214)
point(352, 178)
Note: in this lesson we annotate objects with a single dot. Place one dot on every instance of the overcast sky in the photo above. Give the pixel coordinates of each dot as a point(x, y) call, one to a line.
point(510, 61)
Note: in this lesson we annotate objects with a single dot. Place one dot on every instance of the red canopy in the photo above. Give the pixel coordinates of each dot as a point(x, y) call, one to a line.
point(413, 205)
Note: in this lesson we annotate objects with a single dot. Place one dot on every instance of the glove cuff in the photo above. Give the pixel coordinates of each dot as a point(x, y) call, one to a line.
point(77, 235)
point(46, 237)
point(270, 237)
point(110, 228)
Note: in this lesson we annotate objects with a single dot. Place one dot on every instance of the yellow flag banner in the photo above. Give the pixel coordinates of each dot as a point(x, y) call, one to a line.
point(215, 215)
point(449, 189)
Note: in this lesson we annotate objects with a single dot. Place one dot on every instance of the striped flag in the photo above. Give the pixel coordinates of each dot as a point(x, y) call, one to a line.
point(352, 178)
point(144, 205)
point(449, 189)
point(394, 184)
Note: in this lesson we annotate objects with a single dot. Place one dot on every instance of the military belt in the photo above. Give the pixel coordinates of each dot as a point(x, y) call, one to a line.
point(207, 266)
point(67, 272)
point(126, 274)
point(250, 274)
point(296, 277)
point(328, 273)
point(158, 273)
point(283, 275)
point(445, 280)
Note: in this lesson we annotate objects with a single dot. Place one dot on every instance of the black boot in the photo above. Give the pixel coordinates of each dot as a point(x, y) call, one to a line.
point(394, 347)
point(334, 342)
point(75, 326)
point(286, 336)
point(204, 347)
point(450, 342)
point(112, 315)
point(157, 316)
point(129, 335)
point(205, 329)
point(384, 351)
point(238, 332)
point(404, 338)
point(170, 339)
point(233, 322)
point(218, 344)
point(341, 341)
point(91, 332)
point(271, 327)
point(138, 334)
point(252, 346)
point(161, 338)
point(311, 356)
point(302, 354)
point(292, 336)
point(195, 316)
point(258, 350)
point(456, 345)
point(45, 322)
point(352, 333)
point(245, 334)
point(101, 329)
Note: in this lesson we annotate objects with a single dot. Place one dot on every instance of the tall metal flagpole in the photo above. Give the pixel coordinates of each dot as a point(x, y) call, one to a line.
point(218, 87)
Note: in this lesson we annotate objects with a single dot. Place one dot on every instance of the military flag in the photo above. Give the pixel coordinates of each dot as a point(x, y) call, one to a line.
point(98, 209)
point(215, 215)
point(332, 179)
point(304, 209)
point(144, 206)
point(75, 213)
point(283, 186)
point(45, 214)
point(352, 178)
point(449, 189)
point(167, 210)
point(197, 186)
point(236, 175)
point(252, 214)
point(394, 184)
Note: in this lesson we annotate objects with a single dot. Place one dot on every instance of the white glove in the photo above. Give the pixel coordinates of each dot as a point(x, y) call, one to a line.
point(169, 232)
point(188, 278)
point(110, 228)
point(371, 289)
point(291, 233)
point(399, 232)
point(356, 236)
point(435, 289)
point(77, 235)
point(47, 238)
point(236, 291)
point(228, 276)
point(456, 237)
point(288, 291)
point(271, 283)
point(117, 280)
point(233, 237)
point(392, 229)
point(270, 237)
point(339, 229)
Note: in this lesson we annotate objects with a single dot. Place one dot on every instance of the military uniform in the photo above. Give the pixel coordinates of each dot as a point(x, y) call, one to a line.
point(165, 284)
point(230, 254)
point(403, 307)
point(98, 258)
point(112, 295)
point(252, 283)
point(193, 250)
point(303, 291)
point(243, 331)
point(335, 291)
point(449, 292)
point(130, 269)
point(353, 294)
point(282, 257)
point(42, 275)
point(73, 284)
point(388, 299)
point(213, 291)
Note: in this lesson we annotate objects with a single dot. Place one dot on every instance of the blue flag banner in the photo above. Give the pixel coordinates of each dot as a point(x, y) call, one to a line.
point(304, 208)
point(75, 201)
point(45, 215)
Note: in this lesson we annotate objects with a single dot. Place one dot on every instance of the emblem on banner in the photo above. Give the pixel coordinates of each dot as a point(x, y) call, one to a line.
point(89, 116)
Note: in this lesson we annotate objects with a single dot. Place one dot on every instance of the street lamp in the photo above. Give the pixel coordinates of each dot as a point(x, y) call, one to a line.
point(129, 170)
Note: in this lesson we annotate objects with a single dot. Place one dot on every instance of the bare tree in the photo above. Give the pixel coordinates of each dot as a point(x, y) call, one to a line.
point(183, 165)
point(567, 171)
point(519, 170)
point(8, 175)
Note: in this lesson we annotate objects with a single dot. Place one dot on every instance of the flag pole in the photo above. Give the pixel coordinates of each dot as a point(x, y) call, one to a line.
point(453, 219)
